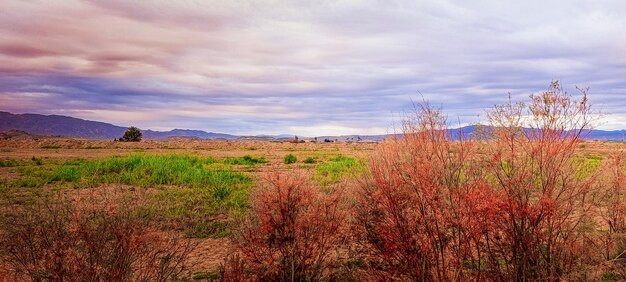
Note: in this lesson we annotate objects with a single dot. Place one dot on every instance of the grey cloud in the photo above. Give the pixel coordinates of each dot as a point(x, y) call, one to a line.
point(354, 64)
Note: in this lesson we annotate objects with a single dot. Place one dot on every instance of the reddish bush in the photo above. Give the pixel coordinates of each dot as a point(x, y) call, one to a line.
point(409, 212)
point(289, 234)
point(511, 207)
point(59, 240)
point(545, 202)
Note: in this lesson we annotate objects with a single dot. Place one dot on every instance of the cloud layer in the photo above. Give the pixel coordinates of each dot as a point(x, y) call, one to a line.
point(310, 68)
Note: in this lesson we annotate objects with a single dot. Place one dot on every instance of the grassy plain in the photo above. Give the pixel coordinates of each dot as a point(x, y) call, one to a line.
point(196, 188)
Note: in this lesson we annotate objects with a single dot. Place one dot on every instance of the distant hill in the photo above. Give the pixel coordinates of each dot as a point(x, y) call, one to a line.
point(472, 131)
point(617, 135)
point(596, 134)
point(55, 125)
point(150, 134)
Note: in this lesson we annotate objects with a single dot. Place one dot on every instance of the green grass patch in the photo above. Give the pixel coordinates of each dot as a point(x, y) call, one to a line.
point(136, 170)
point(245, 160)
point(148, 171)
point(93, 147)
point(20, 162)
point(9, 163)
point(338, 168)
point(309, 160)
point(290, 159)
point(200, 213)
point(206, 276)
point(51, 147)
point(586, 166)
point(193, 194)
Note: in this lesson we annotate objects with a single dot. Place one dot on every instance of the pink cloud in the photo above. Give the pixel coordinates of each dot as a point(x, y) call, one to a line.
point(25, 51)
point(233, 56)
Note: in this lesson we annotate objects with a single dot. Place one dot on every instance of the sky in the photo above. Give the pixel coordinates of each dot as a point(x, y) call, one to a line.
point(303, 67)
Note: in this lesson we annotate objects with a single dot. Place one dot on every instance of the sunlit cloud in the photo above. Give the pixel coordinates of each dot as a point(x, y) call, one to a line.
point(323, 67)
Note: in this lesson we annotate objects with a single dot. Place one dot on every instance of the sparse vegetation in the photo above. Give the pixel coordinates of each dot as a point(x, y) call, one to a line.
point(338, 168)
point(55, 239)
point(37, 161)
point(8, 163)
point(245, 160)
point(290, 159)
point(190, 192)
point(50, 147)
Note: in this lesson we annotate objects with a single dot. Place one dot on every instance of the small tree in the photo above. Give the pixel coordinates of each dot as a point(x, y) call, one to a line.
point(132, 134)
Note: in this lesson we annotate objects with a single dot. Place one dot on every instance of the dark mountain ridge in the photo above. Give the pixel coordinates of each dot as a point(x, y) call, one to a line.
point(56, 125)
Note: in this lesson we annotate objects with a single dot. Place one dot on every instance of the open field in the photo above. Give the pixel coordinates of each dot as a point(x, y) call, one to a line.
point(191, 187)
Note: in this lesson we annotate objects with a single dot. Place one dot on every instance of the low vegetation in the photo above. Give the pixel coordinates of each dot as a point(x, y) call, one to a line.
point(90, 239)
point(290, 159)
point(290, 234)
point(186, 192)
point(139, 170)
point(245, 160)
point(8, 163)
point(338, 168)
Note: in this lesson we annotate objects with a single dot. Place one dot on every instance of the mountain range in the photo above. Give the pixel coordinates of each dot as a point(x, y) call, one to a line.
point(57, 125)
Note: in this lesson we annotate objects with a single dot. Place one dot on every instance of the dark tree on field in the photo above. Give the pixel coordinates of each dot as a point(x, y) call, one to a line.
point(132, 134)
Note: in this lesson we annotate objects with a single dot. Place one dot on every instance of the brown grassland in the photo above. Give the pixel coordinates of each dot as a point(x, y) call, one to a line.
point(529, 200)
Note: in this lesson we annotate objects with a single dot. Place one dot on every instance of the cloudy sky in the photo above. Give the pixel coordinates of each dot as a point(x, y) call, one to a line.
point(302, 67)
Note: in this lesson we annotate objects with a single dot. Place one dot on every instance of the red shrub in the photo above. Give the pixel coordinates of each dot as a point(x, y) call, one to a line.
point(510, 207)
point(59, 240)
point(545, 203)
point(409, 213)
point(290, 232)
